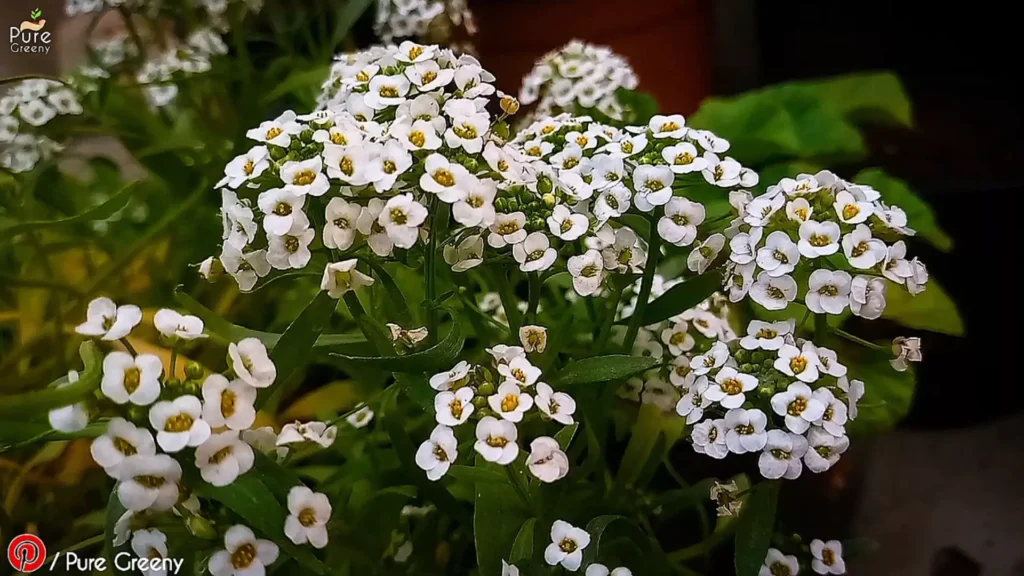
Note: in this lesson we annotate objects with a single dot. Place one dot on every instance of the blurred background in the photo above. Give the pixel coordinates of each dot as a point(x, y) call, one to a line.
point(940, 493)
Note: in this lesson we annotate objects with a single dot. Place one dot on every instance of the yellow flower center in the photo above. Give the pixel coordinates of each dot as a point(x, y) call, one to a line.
point(339, 139)
point(780, 256)
point(132, 378)
point(582, 140)
point(508, 227)
point(502, 165)
point(444, 178)
point(828, 290)
point(744, 429)
point(390, 167)
point(346, 166)
point(417, 138)
point(466, 131)
point(766, 333)
point(150, 481)
point(307, 517)
point(475, 201)
point(178, 423)
point(243, 556)
point(415, 52)
point(797, 407)
point(859, 249)
point(274, 133)
point(589, 271)
point(850, 210)
point(547, 130)
point(732, 386)
point(683, 158)
point(669, 127)
point(456, 408)
point(291, 244)
point(780, 454)
point(534, 151)
point(124, 447)
point(570, 162)
point(819, 240)
point(342, 223)
point(227, 403)
point(249, 167)
point(797, 364)
point(440, 454)
point(568, 545)
point(304, 178)
point(535, 255)
point(678, 338)
point(428, 77)
point(775, 293)
point(497, 441)
point(654, 185)
point(398, 216)
point(363, 77)
point(220, 455)
point(681, 219)
point(779, 569)
point(801, 213)
point(388, 91)
point(566, 225)
point(283, 209)
point(626, 147)
point(510, 402)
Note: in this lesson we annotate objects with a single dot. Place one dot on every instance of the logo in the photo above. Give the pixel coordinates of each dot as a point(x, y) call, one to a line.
point(27, 552)
point(29, 37)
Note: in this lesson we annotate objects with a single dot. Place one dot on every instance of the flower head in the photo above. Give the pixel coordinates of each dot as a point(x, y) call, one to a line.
point(308, 513)
point(496, 440)
point(223, 458)
point(108, 320)
point(243, 554)
point(179, 423)
point(131, 379)
point(436, 455)
point(567, 545)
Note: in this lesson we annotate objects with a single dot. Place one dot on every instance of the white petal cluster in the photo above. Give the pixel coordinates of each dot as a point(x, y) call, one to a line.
point(412, 18)
point(25, 111)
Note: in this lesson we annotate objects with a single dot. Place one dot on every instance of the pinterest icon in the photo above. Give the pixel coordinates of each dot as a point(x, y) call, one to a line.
point(26, 553)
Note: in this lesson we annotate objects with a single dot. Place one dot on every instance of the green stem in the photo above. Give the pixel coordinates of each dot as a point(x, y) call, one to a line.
point(520, 488)
point(820, 327)
point(653, 254)
point(701, 548)
point(534, 298)
point(609, 319)
point(430, 263)
point(856, 339)
point(128, 346)
point(508, 302)
point(134, 32)
point(174, 360)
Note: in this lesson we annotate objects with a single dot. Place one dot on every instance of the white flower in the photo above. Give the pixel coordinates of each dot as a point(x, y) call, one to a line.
point(625, 254)
point(677, 338)
point(829, 363)
point(607, 171)
point(867, 296)
point(518, 370)
point(468, 254)
point(824, 449)
point(417, 135)
point(918, 277)
point(587, 271)
point(443, 381)
point(773, 293)
point(223, 457)
point(746, 430)
point(761, 209)
point(408, 338)
point(704, 253)
point(534, 338)
point(305, 177)
point(376, 236)
point(252, 364)
point(547, 461)
point(108, 320)
point(244, 554)
point(151, 545)
point(777, 564)
point(476, 208)
point(308, 513)
point(131, 379)
point(799, 210)
point(316, 432)
point(679, 224)
point(467, 132)
point(509, 401)
point(448, 180)
point(798, 406)
point(264, 439)
point(739, 279)
point(507, 229)
point(71, 418)
point(454, 408)
point(647, 344)
point(350, 164)
point(818, 239)
point(246, 167)
point(673, 126)
point(828, 291)
point(567, 225)
point(228, 404)
point(779, 255)
point(596, 569)
point(781, 455)
point(683, 158)
point(386, 91)
point(503, 355)
point(148, 482)
point(653, 186)
point(713, 358)
point(121, 440)
point(436, 455)
point(502, 161)
point(558, 406)
point(342, 277)
point(179, 423)
point(401, 218)
point(851, 211)
point(905, 350)
point(833, 418)
point(854, 390)
point(828, 557)
point(340, 226)
point(725, 497)
point(766, 335)
point(863, 251)
point(693, 402)
point(612, 202)
point(291, 249)
point(278, 131)
point(709, 437)
point(496, 440)
point(534, 253)
point(743, 246)
point(627, 146)
point(385, 167)
point(801, 363)
point(36, 113)
point(567, 544)
point(724, 173)
point(568, 159)
point(282, 209)
point(174, 325)
point(729, 387)
point(246, 268)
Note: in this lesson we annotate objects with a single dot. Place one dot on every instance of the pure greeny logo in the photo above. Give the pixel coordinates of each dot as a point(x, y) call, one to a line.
point(29, 37)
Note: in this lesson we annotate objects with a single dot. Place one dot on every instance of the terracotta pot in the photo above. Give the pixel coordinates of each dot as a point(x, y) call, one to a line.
point(668, 42)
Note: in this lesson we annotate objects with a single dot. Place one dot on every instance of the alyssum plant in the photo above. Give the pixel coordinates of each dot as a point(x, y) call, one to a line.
point(615, 255)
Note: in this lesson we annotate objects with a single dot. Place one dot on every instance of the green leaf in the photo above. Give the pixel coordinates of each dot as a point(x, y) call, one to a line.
point(522, 547)
point(676, 501)
point(347, 16)
point(473, 474)
point(874, 96)
point(680, 298)
point(645, 548)
point(754, 529)
point(920, 216)
point(295, 347)
point(887, 394)
point(644, 437)
point(21, 405)
point(101, 212)
point(602, 369)
point(114, 511)
point(279, 479)
point(249, 498)
point(225, 331)
point(497, 517)
point(398, 309)
point(931, 310)
point(440, 356)
point(565, 435)
point(299, 83)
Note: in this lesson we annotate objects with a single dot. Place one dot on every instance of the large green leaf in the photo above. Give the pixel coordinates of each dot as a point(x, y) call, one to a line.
point(295, 347)
point(920, 216)
point(22, 405)
point(602, 369)
point(397, 307)
point(497, 517)
point(642, 441)
point(474, 474)
point(872, 96)
point(755, 527)
point(644, 548)
point(225, 331)
point(438, 357)
point(522, 547)
point(887, 394)
point(931, 310)
point(680, 298)
point(100, 212)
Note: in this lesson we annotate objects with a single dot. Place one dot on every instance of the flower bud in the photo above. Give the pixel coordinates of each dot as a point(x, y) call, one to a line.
point(501, 204)
point(471, 164)
point(193, 370)
point(479, 402)
point(513, 205)
point(758, 357)
point(200, 528)
point(544, 185)
point(277, 153)
point(765, 391)
point(509, 104)
point(536, 224)
point(741, 356)
point(139, 415)
point(296, 145)
point(306, 135)
point(191, 388)
point(746, 368)
point(549, 200)
point(485, 389)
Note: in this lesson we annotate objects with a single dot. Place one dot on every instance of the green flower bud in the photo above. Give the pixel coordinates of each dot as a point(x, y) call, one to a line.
point(549, 200)
point(742, 356)
point(471, 164)
point(486, 389)
point(765, 391)
point(306, 135)
point(277, 153)
point(537, 224)
point(479, 402)
point(544, 185)
point(201, 528)
point(758, 357)
point(191, 387)
point(296, 144)
point(193, 370)
point(501, 204)
point(513, 205)
point(767, 364)
point(139, 415)
point(746, 368)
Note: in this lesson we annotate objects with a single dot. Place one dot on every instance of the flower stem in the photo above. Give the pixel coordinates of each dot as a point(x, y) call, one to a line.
point(128, 346)
point(653, 253)
point(508, 302)
point(856, 339)
point(98, 539)
point(820, 326)
point(609, 319)
point(534, 299)
point(174, 360)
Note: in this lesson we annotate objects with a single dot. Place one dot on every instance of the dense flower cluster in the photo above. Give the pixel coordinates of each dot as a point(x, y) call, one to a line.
point(397, 19)
point(157, 423)
point(214, 9)
point(831, 235)
point(578, 75)
point(498, 397)
point(769, 393)
point(25, 111)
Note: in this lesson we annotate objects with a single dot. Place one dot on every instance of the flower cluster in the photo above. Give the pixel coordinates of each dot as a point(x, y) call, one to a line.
point(158, 423)
point(498, 397)
point(578, 75)
point(768, 393)
point(24, 112)
point(823, 557)
point(830, 234)
point(212, 9)
point(396, 19)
